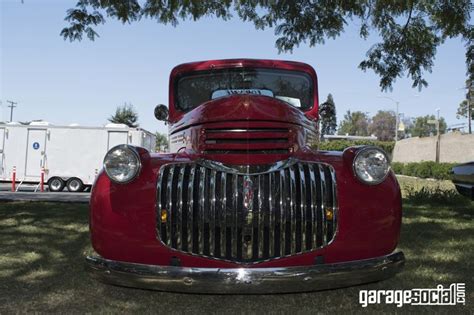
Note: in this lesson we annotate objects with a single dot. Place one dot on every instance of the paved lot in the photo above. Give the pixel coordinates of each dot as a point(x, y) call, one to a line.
point(45, 196)
point(27, 193)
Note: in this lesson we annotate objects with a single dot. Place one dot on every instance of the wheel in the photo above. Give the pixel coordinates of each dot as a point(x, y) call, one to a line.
point(74, 185)
point(56, 184)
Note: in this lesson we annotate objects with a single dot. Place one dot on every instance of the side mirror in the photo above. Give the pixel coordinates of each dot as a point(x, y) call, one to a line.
point(161, 112)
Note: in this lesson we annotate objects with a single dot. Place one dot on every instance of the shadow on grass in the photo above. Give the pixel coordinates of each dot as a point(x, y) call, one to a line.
point(438, 242)
point(42, 251)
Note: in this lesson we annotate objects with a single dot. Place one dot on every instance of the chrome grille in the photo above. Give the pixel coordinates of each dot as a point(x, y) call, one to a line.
point(219, 212)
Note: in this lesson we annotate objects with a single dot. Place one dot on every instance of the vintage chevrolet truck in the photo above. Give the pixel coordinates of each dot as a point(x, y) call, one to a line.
point(244, 202)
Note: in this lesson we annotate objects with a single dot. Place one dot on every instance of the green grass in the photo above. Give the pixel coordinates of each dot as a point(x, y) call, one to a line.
point(42, 246)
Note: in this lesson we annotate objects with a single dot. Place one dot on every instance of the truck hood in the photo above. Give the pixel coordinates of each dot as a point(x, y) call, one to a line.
point(242, 108)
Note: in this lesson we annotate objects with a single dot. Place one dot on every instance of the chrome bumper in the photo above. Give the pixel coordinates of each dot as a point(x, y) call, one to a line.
point(245, 280)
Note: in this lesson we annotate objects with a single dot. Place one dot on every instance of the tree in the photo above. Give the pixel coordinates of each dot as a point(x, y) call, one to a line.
point(383, 125)
point(354, 124)
point(161, 142)
point(327, 112)
point(409, 31)
point(125, 114)
point(421, 127)
point(463, 110)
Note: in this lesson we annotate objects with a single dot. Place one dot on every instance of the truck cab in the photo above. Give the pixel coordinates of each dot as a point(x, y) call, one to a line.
point(243, 107)
point(244, 202)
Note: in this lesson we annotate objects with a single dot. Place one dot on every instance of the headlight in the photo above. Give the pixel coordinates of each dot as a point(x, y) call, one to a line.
point(122, 163)
point(371, 165)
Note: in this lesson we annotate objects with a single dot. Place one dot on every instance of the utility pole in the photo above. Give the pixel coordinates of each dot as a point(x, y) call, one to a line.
point(12, 106)
point(396, 123)
point(437, 119)
point(438, 135)
point(470, 100)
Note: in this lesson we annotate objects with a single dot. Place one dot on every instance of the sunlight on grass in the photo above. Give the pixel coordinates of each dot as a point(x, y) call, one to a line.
point(27, 257)
point(36, 275)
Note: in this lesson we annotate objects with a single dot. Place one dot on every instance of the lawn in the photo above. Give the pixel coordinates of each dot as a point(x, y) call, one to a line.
point(42, 246)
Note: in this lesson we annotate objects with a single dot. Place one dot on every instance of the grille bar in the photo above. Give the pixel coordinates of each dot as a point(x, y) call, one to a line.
point(206, 211)
point(247, 140)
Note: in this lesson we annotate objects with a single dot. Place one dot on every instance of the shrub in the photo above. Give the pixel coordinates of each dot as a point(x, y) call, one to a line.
point(425, 169)
point(397, 167)
point(340, 145)
point(442, 170)
point(434, 196)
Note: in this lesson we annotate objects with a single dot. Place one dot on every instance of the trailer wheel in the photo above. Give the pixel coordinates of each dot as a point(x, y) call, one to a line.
point(56, 184)
point(74, 185)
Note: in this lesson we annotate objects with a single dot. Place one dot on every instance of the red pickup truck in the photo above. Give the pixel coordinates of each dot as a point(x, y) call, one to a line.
point(244, 202)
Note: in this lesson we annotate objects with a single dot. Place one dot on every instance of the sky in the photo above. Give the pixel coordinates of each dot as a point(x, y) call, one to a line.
point(83, 82)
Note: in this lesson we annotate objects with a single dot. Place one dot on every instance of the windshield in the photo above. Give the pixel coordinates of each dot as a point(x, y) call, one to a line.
point(292, 87)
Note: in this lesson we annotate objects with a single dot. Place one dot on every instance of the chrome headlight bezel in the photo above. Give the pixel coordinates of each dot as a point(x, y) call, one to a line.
point(359, 155)
point(129, 150)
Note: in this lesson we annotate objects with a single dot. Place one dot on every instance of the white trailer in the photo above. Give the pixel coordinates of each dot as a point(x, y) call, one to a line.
point(70, 156)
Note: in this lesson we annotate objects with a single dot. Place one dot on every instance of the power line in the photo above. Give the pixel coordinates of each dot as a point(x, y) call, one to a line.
point(12, 106)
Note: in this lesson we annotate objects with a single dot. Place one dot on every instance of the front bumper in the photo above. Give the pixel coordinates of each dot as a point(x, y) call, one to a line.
point(245, 280)
point(465, 189)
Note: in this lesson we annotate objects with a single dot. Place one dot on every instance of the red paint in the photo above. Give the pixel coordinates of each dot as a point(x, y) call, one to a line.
point(42, 180)
point(123, 217)
point(14, 179)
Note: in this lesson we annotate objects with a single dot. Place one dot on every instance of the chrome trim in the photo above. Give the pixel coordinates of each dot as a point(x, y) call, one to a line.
point(283, 205)
point(323, 203)
point(247, 169)
point(223, 215)
point(261, 230)
point(292, 211)
point(179, 209)
point(261, 217)
point(303, 210)
point(335, 205)
point(235, 215)
point(314, 223)
point(191, 208)
point(271, 219)
point(169, 195)
point(212, 212)
point(247, 227)
point(202, 175)
point(245, 280)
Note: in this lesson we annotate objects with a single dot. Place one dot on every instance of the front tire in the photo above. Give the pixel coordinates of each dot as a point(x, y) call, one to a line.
point(56, 184)
point(74, 185)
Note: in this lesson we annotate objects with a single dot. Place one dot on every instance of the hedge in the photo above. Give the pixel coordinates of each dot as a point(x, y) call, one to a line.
point(340, 145)
point(425, 169)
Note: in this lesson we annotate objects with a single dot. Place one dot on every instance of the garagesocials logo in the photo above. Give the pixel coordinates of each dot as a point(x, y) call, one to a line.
point(452, 295)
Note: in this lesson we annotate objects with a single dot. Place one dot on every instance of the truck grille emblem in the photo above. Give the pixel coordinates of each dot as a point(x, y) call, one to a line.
point(248, 197)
